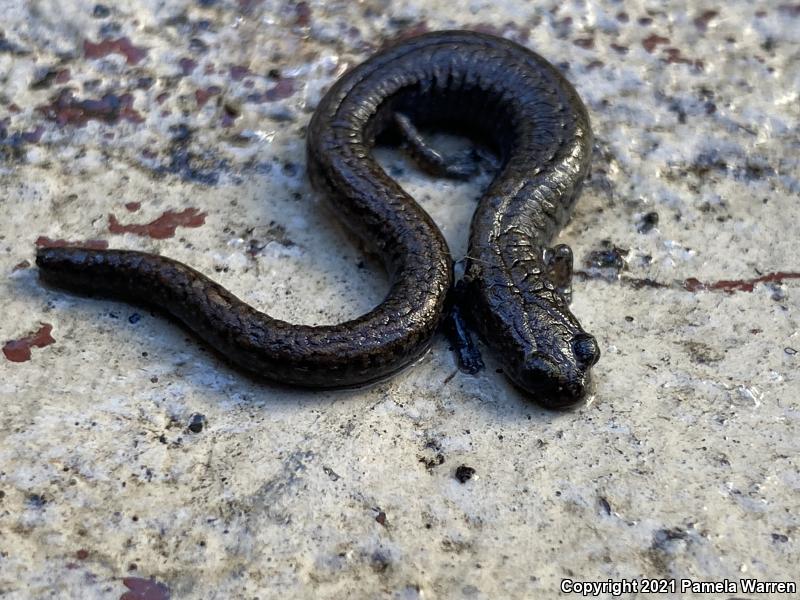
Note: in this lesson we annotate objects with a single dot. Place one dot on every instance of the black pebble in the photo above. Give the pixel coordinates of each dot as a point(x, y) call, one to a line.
point(647, 222)
point(197, 422)
point(464, 473)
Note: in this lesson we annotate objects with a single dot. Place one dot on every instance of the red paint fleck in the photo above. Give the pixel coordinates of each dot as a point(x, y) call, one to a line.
point(13, 108)
point(282, 89)
point(123, 46)
point(702, 21)
point(46, 242)
point(738, 285)
point(693, 285)
point(82, 554)
point(63, 76)
point(144, 589)
point(161, 228)
point(19, 350)
point(302, 12)
point(584, 42)
point(674, 56)
point(202, 96)
point(238, 72)
point(65, 109)
point(133, 206)
point(21, 266)
point(650, 42)
point(187, 65)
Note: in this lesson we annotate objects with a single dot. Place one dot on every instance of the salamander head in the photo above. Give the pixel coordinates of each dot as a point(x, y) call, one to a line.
point(555, 362)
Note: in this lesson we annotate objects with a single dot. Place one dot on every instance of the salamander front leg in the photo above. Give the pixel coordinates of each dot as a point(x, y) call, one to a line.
point(428, 159)
point(467, 354)
point(558, 267)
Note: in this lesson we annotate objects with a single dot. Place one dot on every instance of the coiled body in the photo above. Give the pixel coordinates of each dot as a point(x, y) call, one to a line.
point(487, 87)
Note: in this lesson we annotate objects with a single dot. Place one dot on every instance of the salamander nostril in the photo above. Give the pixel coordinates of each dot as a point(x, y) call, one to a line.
point(586, 349)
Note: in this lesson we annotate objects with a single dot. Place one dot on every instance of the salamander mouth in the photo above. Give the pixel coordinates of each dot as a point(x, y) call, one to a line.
point(550, 386)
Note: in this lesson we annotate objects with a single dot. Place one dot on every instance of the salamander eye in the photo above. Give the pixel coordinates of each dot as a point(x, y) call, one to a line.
point(587, 353)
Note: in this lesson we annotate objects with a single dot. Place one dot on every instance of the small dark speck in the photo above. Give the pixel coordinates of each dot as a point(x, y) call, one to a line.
point(333, 475)
point(629, 319)
point(647, 222)
point(790, 351)
point(499, 371)
point(605, 506)
point(609, 256)
point(779, 537)
point(100, 11)
point(464, 473)
point(110, 29)
point(380, 562)
point(381, 518)
point(198, 46)
point(134, 318)
point(196, 423)
point(558, 493)
point(360, 264)
point(36, 500)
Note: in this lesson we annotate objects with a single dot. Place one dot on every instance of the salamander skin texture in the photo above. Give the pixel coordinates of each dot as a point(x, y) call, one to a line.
point(515, 290)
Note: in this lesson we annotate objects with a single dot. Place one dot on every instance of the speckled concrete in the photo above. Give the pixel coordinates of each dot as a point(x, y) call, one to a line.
point(129, 453)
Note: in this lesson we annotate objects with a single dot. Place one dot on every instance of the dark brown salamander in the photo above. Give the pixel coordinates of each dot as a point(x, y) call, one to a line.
point(515, 290)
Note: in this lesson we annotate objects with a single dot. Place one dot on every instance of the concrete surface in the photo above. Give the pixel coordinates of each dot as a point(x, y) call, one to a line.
point(133, 462)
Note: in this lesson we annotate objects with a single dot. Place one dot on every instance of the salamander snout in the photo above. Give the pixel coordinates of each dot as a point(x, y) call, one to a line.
point(558, 377)
point(551, 385)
